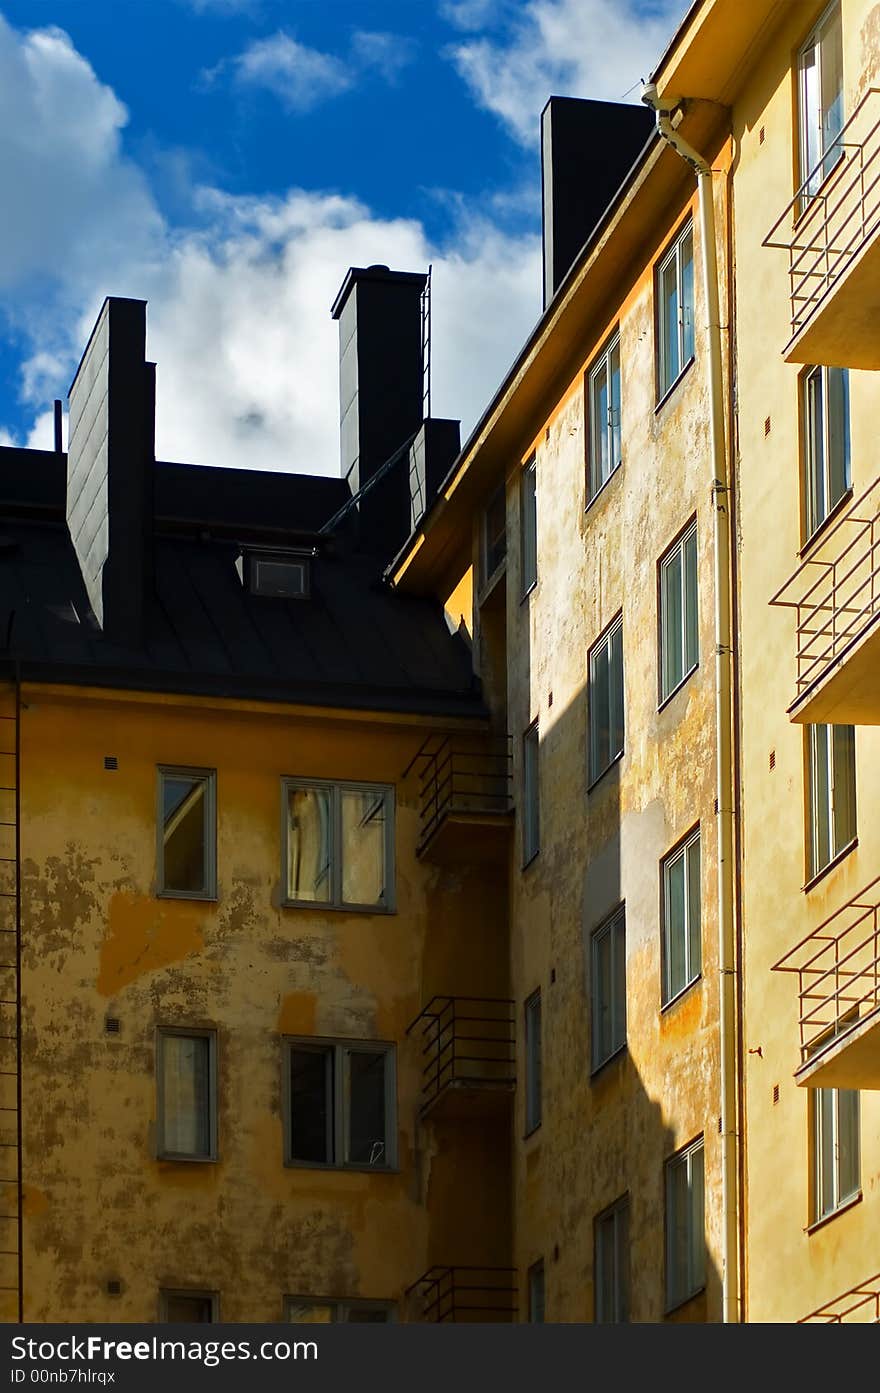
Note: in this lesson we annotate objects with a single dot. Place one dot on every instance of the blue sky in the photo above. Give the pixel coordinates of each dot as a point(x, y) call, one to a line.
point(228, 159)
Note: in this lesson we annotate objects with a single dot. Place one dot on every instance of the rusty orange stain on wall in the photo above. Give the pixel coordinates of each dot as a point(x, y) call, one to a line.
point(140, 939)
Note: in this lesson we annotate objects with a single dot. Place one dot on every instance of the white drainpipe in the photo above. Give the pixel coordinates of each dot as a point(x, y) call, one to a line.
point(663, 110)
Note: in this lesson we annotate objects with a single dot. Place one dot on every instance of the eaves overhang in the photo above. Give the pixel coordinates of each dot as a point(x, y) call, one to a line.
point(714, 47)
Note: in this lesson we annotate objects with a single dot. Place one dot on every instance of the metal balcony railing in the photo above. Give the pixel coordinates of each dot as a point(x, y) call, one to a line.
point(473, 1294)
point(836, 591)
point(467, 1042)
point(465, 776)
point(838, 967)
point(860, 1304)
point(834, 212)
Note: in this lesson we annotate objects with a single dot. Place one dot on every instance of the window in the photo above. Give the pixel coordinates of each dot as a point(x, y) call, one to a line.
point(187, 854)
point(187, 1089)
point(606, 700)
point(310, 1311)
point(531, 827)
point(603, 437)
point(339, 844)
point(679, 626)
point(188, 1307)
point(611, 1277)
point(284, 574)
point(494, 533)
point(825, 437)
point(529, 525)
point(609, 988)
point(832, 793)
point(682, 945)
point(835, 1149)
point(339, 1103)
point(820, 98)
point(536, 1293)
point(533, 1062)
point(685, 1236)
point(675, 310)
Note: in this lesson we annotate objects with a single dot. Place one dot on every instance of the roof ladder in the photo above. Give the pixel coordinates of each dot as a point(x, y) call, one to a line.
point(11, 1215)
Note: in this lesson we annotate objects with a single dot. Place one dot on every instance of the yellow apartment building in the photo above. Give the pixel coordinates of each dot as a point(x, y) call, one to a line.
point(451, 892)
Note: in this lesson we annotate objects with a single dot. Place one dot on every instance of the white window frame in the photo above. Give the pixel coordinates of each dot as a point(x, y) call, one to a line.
point(531, 789)
point(689, 609)
point(533, 1031)
point(188, 1293)
point(818, 447)
point(825, 754)
point(616, 1216)
point(340, 1309)
point(820, 1119)
point(178, 1031)
point(537, 1292)
point(607, 430)
point(692, 970)
point(209, 827)
point(613, 634)
point(682, 1287)
point(528, 510)
point(666, 379)
point(337, 1052)
point(336, 789)
point(814, 41)
point(614, 929)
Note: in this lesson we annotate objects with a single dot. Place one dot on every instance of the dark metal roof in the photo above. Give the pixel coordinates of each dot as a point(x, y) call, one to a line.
point(354, 643)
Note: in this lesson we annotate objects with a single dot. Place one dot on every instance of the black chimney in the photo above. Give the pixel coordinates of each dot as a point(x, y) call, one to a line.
point(381, 390)
point(587, 150)
point(110, 468)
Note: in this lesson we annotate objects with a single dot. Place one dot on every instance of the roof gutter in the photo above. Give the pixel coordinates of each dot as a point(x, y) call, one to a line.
point(665, 109)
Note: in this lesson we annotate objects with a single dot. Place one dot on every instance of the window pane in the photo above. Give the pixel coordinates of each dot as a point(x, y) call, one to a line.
point(180, 1309)
point(311, 1104)
point(495, 532)
point(536, 1293)
point(677, 1237)
point(676, 976)
point(605, 1270)
point(691, 617)
point(528, 503)
point(614, 405)
point(686, 256)
point(848, 1143)
point(814, 451)
point(309, 842)
point(366, 1107)
point(186, 1103)
point(531, 795)
point(823, 1160)
point(820, 798)
point(696, 1222)
point(831, 62)
point(364, 813)
point(533, 1061)
point(672, 626)
point(184, 851)
point(837, 384)
point(602, 996)
point(599, 463)
point(844, 787)
point(367, 1315)
point(694, 939)
point(600, 715)
point(619, 981)
point(311, 1312)
point(810, 113)
point(616, 695)
point(669, 357)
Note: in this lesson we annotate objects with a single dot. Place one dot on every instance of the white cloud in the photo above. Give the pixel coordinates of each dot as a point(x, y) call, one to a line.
point(300, 77)
point(387, 54)
point(238, 319)
point(576, 48)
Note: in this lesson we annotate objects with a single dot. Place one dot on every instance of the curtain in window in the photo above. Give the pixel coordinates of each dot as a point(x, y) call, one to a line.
point(366, 1107)
point(309, 842)
point(186, 1129)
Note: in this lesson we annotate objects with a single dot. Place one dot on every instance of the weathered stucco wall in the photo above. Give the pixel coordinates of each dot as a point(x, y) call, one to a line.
point(97, 942)
point(790, 1271)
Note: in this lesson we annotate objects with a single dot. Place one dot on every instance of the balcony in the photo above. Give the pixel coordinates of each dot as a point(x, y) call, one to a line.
point(859, 1305)
point(465, 798)
point(838, 968)
point(469, 1056)
point(834, 249)
point(464, 1295)
point(836, 594)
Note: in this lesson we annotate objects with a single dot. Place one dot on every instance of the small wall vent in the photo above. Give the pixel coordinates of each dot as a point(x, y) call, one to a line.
point(114, 1287)
point(111, 762)
point(775, 1094)
point(111, 1025)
